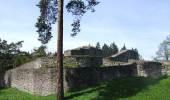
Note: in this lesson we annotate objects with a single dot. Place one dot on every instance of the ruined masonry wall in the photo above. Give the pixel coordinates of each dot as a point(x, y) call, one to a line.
point(42, 81)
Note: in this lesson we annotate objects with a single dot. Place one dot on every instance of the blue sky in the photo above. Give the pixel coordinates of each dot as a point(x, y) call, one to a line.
point(140, 24)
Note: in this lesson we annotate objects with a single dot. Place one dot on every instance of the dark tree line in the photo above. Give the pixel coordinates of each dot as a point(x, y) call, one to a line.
point(123, 48)
point(12, 56)
point(108, 49)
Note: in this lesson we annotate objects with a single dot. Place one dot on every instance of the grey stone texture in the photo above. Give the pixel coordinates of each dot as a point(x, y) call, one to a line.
point(84, 51)
point(39, 76)
point(86, 56)
point(42, 80)
point(85, 61)
point(150, 69)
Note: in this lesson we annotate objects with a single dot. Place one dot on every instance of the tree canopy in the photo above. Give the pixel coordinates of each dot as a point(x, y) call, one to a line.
point(11, 55)
point(109, 50)
point(123, 48)
point(163, 52)
point(49, 11)
point(98, 45)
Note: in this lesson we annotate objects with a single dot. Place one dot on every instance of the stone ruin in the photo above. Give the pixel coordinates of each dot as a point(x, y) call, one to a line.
point(121, 57)
point(84, 56)
point(34, 78)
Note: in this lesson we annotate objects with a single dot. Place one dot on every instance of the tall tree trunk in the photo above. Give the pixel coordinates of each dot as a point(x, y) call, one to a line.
point(59, 89)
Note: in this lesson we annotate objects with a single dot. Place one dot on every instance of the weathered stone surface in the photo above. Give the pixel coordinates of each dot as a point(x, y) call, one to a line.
point(84, 51)
point(42, 81)
point(149, 68)
point(22, 79)
point(84, 56)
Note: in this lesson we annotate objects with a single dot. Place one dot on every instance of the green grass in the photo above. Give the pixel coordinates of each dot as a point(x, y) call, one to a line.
point(134, 88)
point(14, 94)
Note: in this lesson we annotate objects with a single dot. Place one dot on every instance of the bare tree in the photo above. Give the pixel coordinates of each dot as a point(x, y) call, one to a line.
point(163, 52)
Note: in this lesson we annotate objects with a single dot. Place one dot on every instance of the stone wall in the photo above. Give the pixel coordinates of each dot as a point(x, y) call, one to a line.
point(89, 76)
point(109, 62)
point(6, 75)
point(22, 79)
point(89, 61)
point(83, 61)
point(149, 69)
point(84, 56)
point(35, 81)
point(84, 51)
point(165, 67)
point(42, 81)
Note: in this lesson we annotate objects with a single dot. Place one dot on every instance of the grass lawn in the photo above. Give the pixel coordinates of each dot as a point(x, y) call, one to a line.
point(134, 88)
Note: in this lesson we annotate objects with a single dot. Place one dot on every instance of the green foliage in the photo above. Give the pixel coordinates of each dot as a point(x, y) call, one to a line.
point(98, 45)
point(11, 55)
point(106, 50)
point(40, 52)
point(44, 31)
point(14, 94)
point(21, 58)
point(109, 50)
point(8, 52)
point(78, 8)
point(136, 54)
point(123, 48)
point(49, 11)
point(12, 48)
point(113, 48)
point(48, 16)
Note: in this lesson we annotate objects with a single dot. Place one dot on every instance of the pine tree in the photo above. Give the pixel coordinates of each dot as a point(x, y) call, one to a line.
point(113, 48)
point(123, 48)
point(106, 50)
point(98, 45)
point(52, 11)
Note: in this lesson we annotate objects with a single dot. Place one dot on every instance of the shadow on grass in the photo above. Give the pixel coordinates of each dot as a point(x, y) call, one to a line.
point(126, 87)
point(119, 88)
point(1, 90)
point(79, 93)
